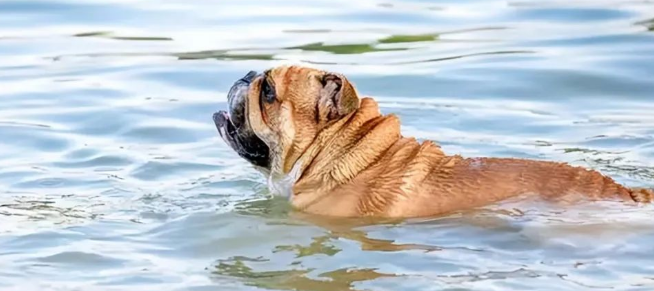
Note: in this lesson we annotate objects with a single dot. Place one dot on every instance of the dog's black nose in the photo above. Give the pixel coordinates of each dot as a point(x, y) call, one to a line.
point(249, 77)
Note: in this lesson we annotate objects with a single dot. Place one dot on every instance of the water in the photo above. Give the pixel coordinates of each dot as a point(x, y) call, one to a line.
point(113, 177)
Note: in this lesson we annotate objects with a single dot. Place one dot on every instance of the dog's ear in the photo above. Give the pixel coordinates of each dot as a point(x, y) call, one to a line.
point(337, 97)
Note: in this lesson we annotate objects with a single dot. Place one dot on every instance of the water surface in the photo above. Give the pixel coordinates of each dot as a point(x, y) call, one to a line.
point(113, 177)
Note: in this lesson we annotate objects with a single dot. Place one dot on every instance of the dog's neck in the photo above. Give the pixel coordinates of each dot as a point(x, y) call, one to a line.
point(319, 169)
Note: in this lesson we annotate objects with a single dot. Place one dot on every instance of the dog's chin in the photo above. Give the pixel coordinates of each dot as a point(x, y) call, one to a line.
point(243, 141)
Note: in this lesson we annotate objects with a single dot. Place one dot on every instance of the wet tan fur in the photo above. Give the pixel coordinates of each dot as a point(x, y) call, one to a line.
point(350, 160)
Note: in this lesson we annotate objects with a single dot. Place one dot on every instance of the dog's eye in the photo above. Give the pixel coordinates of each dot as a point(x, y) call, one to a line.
point(267, 91)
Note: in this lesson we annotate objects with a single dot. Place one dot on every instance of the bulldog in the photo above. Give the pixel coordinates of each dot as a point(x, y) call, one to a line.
point(333, 153)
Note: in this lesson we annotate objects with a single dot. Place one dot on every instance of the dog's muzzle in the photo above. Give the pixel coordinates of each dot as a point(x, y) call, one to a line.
point(234, 128)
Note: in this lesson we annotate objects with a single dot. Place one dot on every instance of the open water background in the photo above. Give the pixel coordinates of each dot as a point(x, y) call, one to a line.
point(112, 175)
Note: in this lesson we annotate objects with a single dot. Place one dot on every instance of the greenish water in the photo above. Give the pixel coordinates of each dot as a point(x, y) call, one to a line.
point(112, 175)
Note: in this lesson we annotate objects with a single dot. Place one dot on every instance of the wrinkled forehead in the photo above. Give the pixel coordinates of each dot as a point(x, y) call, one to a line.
point(294, 83)
point(287, 75)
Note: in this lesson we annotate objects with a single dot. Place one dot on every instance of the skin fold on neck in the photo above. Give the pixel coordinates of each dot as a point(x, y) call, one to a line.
point(348, 139)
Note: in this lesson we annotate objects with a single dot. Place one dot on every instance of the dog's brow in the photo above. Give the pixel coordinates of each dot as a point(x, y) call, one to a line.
point(288, 75)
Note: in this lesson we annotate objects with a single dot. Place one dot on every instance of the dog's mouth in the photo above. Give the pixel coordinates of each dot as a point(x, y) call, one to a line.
point(234, 128)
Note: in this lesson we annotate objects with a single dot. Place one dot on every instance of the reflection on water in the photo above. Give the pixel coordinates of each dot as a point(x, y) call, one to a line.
point(473, 250)
point(108, 34)
point(397, 40)
point(114, 178)
point(647, 23)
point(342, 279)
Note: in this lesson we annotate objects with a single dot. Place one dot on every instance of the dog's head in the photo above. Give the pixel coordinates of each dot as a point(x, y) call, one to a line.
point(274, 116)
